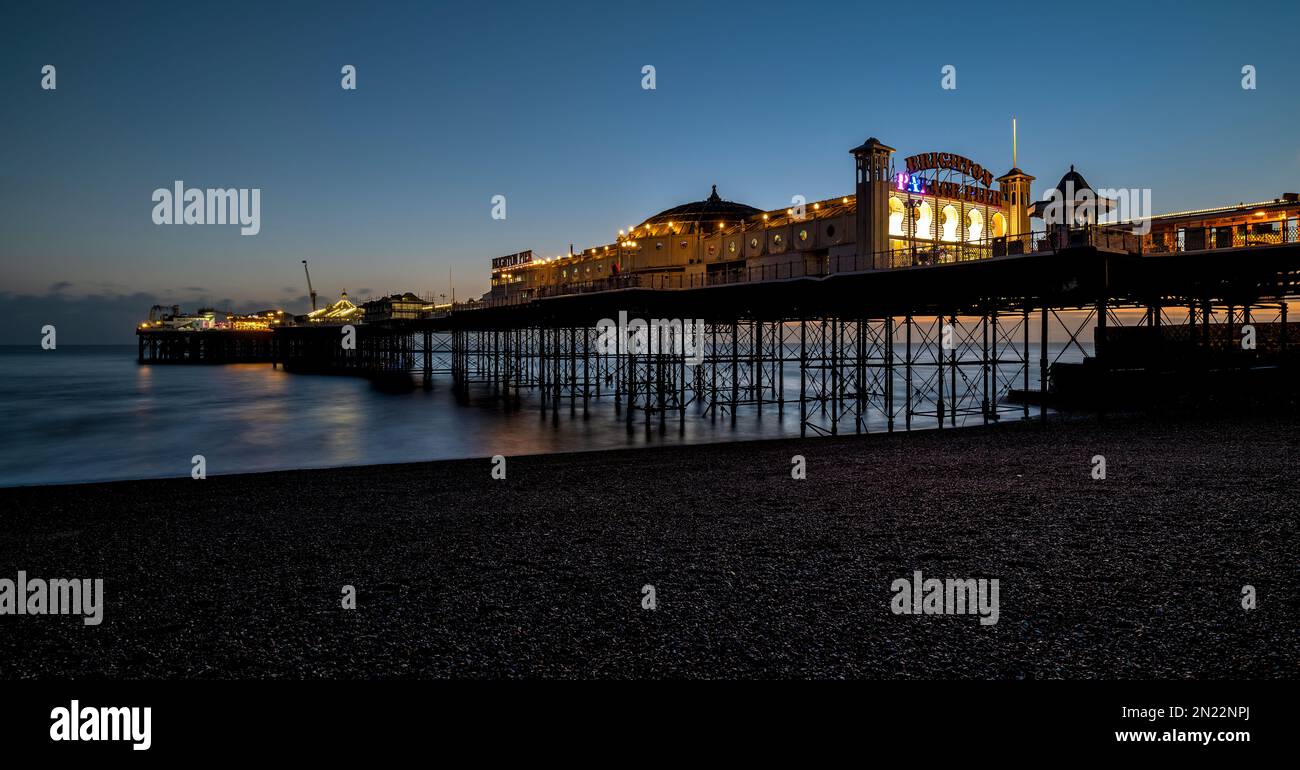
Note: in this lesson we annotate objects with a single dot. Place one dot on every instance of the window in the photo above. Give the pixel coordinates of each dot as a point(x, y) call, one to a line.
point(895, 216)
point(974, 225)
point(753, 243)
point(949, 223)
point(924, 221)
point(803, 235)
point(999, 225)
point(776, 239)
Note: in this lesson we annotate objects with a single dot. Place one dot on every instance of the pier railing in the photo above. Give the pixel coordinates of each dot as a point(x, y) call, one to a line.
point(1237, 236)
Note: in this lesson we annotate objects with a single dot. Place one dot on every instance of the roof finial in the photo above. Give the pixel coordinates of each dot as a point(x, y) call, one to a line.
point(714, 195)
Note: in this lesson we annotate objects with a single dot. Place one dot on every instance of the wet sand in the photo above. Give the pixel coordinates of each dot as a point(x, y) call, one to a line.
point(755, 574)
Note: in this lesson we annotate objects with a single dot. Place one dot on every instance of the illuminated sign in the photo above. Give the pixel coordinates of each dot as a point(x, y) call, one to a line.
point(976, 188)
point(912, 184)
point(949, 162)
point(512, 260)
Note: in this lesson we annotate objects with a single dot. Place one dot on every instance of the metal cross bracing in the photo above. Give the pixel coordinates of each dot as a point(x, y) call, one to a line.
point(1011, 360)
point(1172, 333)
point(861, 374)
point(656, 380)
point(932, 370)
point(567, 371)
point(845, 371)
point(434, 351)
point(958, 367)
point(858, 374)
point(740, 367)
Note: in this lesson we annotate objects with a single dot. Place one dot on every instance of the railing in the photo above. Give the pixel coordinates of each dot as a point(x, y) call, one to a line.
point(1113, 238)
point(1214, 238)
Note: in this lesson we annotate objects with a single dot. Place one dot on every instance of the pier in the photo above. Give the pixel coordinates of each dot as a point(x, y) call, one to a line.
point(219, 346)
point(840, 343)
point(932, 346)
point(925, 299)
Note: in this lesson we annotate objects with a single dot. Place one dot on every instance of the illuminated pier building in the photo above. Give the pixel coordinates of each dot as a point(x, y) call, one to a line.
point(931, 208)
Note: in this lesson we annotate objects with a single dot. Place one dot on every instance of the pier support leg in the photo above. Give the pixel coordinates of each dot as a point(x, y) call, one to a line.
point(952, 373)
point(428, 360)
point(1025, 388)
point(938, 360)
point(803, 377)
point(1042, 368)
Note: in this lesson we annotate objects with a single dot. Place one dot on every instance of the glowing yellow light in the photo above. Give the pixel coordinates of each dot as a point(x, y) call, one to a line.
point(789, 211)
point(844, 200)
point(816, 206)
point(765, 217)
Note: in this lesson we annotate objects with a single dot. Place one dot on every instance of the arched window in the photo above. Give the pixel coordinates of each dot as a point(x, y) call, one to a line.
point(974, 225)
point(950, 223)
point(999, 225)
point(924, 221)
point(896, 216)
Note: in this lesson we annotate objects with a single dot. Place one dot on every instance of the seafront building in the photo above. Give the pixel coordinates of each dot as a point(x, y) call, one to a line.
point(395, 307)
point(170, 318)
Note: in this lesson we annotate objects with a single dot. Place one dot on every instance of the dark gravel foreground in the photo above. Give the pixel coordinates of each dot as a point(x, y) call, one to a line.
point(757, 575)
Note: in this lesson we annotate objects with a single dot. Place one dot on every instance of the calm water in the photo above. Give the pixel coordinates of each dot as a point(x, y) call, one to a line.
point(92, 414)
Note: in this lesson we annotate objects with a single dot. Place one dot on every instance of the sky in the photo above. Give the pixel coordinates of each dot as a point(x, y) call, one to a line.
point(389, 187)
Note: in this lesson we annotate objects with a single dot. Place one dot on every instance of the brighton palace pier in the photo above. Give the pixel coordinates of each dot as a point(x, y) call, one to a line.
point(938, 208)
point(919, 299)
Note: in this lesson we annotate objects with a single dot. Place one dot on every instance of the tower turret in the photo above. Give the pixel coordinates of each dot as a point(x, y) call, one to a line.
point(873, 167)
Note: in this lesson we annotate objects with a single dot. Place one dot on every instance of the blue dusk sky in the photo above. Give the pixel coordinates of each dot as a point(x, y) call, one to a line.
point(388, 187)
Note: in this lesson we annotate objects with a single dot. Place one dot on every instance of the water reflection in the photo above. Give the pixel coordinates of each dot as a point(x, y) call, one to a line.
point(86, 414)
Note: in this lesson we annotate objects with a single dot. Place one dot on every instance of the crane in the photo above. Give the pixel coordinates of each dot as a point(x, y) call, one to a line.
point(310, 290)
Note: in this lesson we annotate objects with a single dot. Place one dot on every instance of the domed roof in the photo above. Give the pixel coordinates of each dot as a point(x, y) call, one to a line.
point(1075, 178)
point(710, 209)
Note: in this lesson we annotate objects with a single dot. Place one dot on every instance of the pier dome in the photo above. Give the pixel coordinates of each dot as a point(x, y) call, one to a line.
point(1072, 177)
point(1086, 204)
point(711, 209)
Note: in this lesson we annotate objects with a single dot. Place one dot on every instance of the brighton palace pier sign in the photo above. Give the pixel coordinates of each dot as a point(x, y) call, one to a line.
point(974, 182)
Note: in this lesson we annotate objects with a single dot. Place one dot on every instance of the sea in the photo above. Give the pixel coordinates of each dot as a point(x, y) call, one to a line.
point(92, 413)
